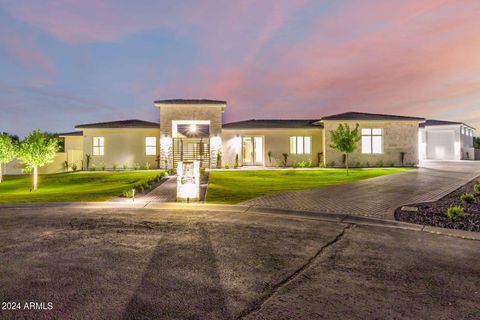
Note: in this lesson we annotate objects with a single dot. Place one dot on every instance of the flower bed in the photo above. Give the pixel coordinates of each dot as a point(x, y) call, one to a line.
point(435, 213)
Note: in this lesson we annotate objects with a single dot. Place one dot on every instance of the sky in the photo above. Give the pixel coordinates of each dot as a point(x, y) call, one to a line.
point(70, 62)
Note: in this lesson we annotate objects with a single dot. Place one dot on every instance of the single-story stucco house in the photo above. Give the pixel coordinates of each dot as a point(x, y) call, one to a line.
point(193, 130)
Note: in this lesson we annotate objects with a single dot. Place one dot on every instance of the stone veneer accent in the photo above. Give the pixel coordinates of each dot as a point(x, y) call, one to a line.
point(171, 112)
point(398, 136)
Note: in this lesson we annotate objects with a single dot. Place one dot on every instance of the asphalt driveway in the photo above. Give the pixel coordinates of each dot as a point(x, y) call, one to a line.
point(378, 197)
point(177, 264)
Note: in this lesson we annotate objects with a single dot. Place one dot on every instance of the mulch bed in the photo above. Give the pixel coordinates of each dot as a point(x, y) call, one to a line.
point(434, 213)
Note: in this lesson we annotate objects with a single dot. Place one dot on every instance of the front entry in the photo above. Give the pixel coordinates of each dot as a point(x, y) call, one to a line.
point(252, 147)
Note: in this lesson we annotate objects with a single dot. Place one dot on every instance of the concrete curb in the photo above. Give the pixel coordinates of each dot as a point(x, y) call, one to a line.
point(328, 217)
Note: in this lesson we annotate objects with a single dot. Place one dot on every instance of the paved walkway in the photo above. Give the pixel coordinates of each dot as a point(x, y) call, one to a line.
point(166, 192)
point(378, 197)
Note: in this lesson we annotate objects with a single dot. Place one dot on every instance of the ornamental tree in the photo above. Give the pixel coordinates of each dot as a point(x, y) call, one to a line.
point(8, 151)
point(345, 140)
point(37, 150)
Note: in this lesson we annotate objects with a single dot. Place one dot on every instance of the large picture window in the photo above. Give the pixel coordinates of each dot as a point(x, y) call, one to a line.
point(98, 146)
point(300, 145)
point(372, 141)
point(150, 146)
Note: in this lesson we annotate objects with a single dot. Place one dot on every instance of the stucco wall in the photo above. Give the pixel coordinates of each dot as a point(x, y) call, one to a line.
point(122, 146)
point(186, 112)
point(275, 140)
point(398, 136)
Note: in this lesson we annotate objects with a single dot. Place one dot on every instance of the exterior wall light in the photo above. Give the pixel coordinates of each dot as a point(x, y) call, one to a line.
point(192, 128)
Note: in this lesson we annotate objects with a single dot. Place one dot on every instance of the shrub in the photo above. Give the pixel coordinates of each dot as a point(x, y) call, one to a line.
point(380, 163)
point(467, 198)
point(331, 164)
point(139, 188)
point(219, 160)
point(227, 165)
point(103, 167)
point(412, 164)
point(455, 212)
point(391, 164)
point(146, 166)
point(114, 167)
point(172, 172)
point(476, 188)
point(358, 164)
point(285, 159)
point(278, 163)
point(66, 165)
point(145, 185)
point(128, 193)
point(136, 166)
point(367, 164)
point(269, 154)
point(74, 166)
point(125, 166)
point(235, 163)
point(93, 167)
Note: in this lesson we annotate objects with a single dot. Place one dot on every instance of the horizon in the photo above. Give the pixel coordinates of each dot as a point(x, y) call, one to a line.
point(88, 61)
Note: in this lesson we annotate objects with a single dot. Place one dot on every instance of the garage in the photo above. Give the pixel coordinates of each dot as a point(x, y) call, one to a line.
point(440, 144)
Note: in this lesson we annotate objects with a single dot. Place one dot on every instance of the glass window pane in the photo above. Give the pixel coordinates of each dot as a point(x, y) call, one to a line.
point(366, 144)
point(293, 145)
point(258, 149)
point(151, 151)
point(300, 145)
point(377, 144)
point(308, 145)
point(366, 132)
point(377, 131)
point(151, 141)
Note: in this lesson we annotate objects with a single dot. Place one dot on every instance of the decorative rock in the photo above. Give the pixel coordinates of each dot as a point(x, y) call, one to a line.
point(408, 208)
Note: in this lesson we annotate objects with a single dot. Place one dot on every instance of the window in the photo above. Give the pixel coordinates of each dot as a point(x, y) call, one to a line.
point(98, 146)
point(150, 146)
point(300, 145)
point(372, 141)
point(463, 130)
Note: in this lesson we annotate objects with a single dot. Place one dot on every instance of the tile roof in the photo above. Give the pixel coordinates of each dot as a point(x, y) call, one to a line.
point(71, 134)
point(271, 124)
point(429, 123)
point(133, 123)
point(190, 101)
point(369, 116)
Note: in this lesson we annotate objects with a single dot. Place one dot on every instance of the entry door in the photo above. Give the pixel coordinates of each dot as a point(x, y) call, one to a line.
point(252, 150)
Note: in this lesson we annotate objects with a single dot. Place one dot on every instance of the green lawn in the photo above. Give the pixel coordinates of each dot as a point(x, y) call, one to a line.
point(75, 186)
point(237, 186)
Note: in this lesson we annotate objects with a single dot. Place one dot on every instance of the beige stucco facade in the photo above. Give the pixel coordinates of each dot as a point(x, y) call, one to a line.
point(398, 137)
point(276, 141)
point(121, 147)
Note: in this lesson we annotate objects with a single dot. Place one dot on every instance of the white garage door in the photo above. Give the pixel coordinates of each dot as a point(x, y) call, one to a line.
point(440, 145)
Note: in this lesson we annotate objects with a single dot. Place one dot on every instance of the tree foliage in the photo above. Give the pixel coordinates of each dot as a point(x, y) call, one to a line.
point(8, 150)
point(345, 140)
point(476, 142)
point(37, 150)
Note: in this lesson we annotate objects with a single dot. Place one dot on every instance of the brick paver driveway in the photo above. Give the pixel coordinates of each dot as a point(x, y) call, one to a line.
point(378, 197)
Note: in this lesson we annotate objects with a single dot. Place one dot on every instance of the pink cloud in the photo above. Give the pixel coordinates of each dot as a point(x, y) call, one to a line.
point(25, 51)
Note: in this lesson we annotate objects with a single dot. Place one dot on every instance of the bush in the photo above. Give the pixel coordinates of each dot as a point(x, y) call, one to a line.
point(103, 167)
point(235, 163)
point(172, 172)
point(136, 166)
point(125, 166)
point(146, 166)
point(93, 167)
point(331, 164)
point(114, 167)
point(145, 185)
point(358, 164)
point(391, 164)
point(476, 188)
point(285, 159)
point(128, 193)
point(455, 212)
point(467, 198)
point(139, 188)
point(227, 165)
point(380, 163)
point(74, 166)
point(367, 164)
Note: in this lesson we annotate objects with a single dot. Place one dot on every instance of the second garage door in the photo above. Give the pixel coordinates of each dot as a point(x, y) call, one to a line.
point(440, 145)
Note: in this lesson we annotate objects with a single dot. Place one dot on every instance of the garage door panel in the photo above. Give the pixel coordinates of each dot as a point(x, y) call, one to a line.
point(440, 145)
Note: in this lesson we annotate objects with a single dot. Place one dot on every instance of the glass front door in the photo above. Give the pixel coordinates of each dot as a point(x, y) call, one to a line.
point(252, 150)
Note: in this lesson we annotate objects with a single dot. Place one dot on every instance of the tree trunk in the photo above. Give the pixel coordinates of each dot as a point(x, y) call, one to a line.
point(1, 172)
point(35, 178)
point(346, 162)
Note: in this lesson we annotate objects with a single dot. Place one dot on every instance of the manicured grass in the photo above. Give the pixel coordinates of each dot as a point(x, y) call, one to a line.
point(237, 186)
point(70, 187)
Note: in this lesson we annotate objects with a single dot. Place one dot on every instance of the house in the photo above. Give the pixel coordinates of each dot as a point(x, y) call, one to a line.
point(194, 130)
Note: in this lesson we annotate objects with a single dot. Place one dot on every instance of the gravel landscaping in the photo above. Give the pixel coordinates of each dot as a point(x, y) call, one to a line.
point(434, 213)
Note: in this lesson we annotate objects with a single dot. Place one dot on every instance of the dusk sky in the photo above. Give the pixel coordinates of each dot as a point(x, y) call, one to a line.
point(64, 63)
